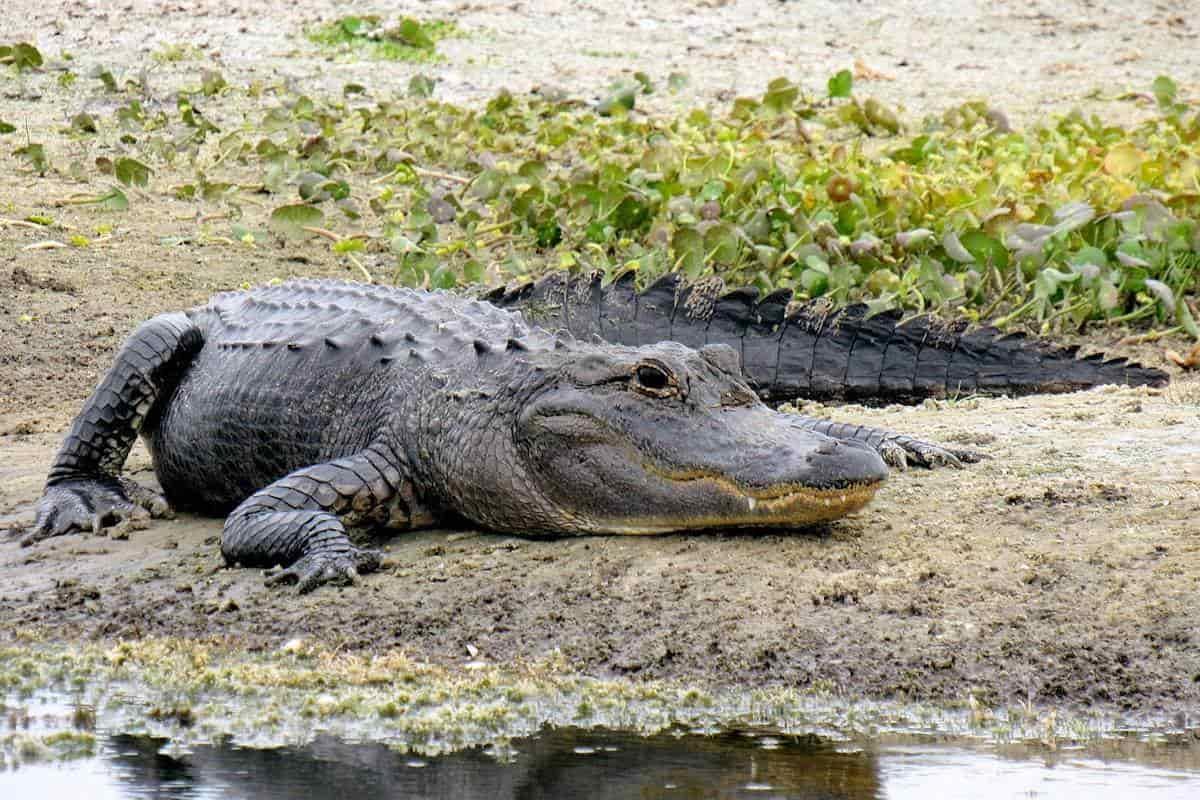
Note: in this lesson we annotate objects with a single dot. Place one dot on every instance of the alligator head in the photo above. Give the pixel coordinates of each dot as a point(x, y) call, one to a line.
point(653, 439)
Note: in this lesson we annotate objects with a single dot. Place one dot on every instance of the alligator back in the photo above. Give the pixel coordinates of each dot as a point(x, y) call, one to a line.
point(792, 350)
point(303, 373)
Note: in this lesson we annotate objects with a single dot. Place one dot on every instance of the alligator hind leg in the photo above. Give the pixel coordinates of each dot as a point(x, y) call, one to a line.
point(84, 490)
point(299, 521)
point(897, 449)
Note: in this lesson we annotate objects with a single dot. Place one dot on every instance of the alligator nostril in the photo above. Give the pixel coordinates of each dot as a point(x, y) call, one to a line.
point(827, 447)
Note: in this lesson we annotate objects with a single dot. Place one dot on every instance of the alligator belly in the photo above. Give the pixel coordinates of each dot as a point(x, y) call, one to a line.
point(231, 429)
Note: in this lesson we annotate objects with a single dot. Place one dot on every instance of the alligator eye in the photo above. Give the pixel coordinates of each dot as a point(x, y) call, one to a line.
point(653, 380)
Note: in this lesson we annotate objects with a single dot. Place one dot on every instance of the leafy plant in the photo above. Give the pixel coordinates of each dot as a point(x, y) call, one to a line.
point(371, 36)
point(22, 56)
point(841, 84)
point(1070, 221)
point(290, 221)
point(131, 172)
point(34, 154)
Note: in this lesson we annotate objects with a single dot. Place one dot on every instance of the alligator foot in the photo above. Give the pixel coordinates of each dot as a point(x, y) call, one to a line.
point(319, 567)
point(897, 449)
point(901, 451)
point(91, 504)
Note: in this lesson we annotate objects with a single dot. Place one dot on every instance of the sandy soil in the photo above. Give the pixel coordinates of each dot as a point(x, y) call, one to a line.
point(1065, 569)
point(1023, 56)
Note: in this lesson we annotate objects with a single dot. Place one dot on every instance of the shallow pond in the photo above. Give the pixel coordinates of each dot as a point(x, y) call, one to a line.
point(570, 763)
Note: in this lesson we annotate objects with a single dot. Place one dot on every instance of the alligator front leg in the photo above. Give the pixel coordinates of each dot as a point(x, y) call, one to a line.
point(300, 521)
point(84, 490)
point(897, 449)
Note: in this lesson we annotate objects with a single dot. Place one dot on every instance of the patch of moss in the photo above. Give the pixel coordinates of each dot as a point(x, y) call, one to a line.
point(63, 745)
point(372, 36)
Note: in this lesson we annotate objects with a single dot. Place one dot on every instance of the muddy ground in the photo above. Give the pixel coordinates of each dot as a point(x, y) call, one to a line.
point(1063, 570)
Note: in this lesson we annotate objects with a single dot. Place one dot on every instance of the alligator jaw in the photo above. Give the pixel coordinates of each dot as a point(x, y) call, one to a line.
point(785, 506)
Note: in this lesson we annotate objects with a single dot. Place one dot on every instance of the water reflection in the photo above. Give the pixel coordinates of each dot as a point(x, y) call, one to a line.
point(597, 764)
point(558, 764)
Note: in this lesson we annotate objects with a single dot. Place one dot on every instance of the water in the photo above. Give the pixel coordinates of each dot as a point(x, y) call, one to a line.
point(602, 764)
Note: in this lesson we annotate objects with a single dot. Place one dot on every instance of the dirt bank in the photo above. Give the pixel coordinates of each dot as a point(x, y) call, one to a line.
point(1065, 569)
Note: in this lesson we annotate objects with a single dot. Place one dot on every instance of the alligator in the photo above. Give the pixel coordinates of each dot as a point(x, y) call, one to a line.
point(312, 409)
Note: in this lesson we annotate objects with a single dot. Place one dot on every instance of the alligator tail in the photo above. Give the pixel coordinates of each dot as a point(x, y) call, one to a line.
point(793, 350)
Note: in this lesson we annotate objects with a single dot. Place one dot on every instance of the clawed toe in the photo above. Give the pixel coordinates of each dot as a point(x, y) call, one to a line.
point(904, 451)
point(933, 456)
point(91, 505)
point(316, 569)
point(147, 500)
point(969, 456)
point(894, 456)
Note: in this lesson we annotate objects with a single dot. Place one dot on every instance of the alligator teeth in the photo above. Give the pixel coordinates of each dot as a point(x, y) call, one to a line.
point(751, 503)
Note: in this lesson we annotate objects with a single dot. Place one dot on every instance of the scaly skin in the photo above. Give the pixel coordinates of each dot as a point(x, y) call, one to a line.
point(792, 351)
point(306, 410)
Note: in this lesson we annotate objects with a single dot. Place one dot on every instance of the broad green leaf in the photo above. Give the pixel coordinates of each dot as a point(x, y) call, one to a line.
point(413, 34)
point(131, 172)
point(781, 95)
point(687, 250)
point(721, 243)
point(304, 107)
point(443, 277)
point(916, 152)
point(621, 98)
point(289, 221)
point(841, 84)
point(1089, 255)
point(548, 233)
point(630, 214)
point(34, 154)
point(84, 122)
point(6, 127)
point(815, 276)
point(21, 55)
point(105, 77)
point(212, 82)
point(986, 250)
point(352, 25)
point(712, 190)
point(473, 272)
point(488, 184)
point(1123, 159)
point(1164, 91)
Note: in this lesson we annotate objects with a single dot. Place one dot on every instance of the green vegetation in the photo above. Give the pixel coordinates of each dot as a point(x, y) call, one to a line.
point(371, 36)
point(27, 748)
point(1071, 221)
point(22, 56)
point(193, 691)
point(174, 53)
